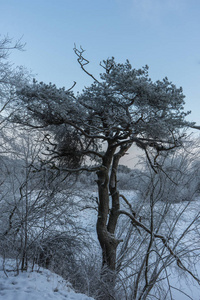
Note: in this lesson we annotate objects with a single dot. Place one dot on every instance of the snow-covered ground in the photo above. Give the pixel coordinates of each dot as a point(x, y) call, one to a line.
point(41, 284)
point(183, 287)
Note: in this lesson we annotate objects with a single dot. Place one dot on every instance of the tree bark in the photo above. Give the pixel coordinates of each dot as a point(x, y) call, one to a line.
point(107, 218)
point(106, 239)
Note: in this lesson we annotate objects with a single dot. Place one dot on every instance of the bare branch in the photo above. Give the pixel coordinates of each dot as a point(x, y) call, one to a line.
point(129, 205)
point(181, 291)
point(195, 127)
point(83, 61)
point(164, 241)
point(71, 86)
point(84, 168)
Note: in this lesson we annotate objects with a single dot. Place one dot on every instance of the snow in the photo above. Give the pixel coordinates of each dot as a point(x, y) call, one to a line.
point(40, 284)
point(182, 287)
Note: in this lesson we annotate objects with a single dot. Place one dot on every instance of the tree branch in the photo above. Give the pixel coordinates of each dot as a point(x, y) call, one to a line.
point(164, 241)
point(83, 61)
point(71, 86)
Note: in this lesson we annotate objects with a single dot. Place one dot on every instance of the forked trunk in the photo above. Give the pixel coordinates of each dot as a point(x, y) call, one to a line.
point(106, 239)
point(108, 218)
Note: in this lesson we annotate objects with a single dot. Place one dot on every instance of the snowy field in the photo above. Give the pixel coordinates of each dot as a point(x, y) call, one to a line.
point(41, 284)
point(183, 286)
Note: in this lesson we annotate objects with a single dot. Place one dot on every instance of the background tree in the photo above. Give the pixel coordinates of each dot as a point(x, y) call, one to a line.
point(167, 205)
point(36, 220)
point(37, 223)
point(10, 77)
point(93, 130)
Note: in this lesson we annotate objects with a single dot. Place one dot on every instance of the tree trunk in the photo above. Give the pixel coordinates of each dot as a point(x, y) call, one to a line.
point(106, 239)
point(107, 218)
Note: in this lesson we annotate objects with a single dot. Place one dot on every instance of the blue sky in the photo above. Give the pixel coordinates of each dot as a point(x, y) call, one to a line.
point(164, 34)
